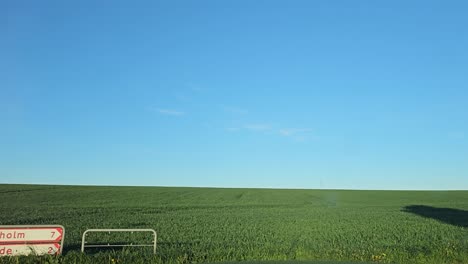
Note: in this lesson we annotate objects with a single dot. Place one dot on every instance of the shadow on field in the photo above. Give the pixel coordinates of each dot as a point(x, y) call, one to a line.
point(95, 250)
point(451, 216)
point(291, 262)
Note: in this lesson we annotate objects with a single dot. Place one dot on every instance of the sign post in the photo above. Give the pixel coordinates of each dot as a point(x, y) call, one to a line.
point(26, 240)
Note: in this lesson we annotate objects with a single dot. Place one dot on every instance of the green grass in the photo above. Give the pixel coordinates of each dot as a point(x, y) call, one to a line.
point(209, 225)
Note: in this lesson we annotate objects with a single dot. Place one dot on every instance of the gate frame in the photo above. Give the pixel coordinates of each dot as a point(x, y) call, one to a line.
point(83, 239)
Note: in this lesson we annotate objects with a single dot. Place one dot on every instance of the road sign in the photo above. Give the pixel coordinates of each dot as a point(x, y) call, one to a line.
point(27, 249)
point(25, 240)
point(30, 234)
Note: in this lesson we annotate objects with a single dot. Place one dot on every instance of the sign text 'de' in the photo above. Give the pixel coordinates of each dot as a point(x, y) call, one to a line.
point(25, 249)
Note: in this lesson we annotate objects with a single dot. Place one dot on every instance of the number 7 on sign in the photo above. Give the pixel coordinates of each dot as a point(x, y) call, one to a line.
point(53, 234)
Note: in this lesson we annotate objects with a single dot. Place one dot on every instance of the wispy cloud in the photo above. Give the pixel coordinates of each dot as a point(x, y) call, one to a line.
point(193, 87)
point(166, 111)
point(189, 92)
point(287, 132)
point(457, 135)
point(254, 127)
point(170, 112)
point(233, 129)
point(183, 97)
point(297, 134)
point(258, 127)
point(235, 110)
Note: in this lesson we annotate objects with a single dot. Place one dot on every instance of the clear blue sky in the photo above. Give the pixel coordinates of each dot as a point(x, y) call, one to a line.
point(285, 94)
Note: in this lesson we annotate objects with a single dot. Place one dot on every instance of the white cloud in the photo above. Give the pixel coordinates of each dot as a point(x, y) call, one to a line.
point(170, 112)
point(456, 135)
point(258, 127)
point(297, 134)
point(165, 111)
point(233, 129)
point(235, 110)
point(293, 131)
point(193, 87)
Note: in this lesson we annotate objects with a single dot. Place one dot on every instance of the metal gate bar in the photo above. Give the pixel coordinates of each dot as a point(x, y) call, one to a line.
point(83, 240)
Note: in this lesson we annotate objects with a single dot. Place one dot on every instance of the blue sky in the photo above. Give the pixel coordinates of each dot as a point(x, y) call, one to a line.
point(283, 94)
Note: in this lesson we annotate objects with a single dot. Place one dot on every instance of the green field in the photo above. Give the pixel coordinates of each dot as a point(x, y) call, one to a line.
point(212, 225)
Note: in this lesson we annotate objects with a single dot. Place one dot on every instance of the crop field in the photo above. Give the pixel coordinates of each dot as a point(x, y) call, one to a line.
point(214, 225)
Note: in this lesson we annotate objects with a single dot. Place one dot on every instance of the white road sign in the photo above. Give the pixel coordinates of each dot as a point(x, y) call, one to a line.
point(30, 234)
point(25, 240)
point(25, 249)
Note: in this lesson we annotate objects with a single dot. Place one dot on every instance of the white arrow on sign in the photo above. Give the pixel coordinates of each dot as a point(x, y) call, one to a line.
point(30, 235)
point(23, 249)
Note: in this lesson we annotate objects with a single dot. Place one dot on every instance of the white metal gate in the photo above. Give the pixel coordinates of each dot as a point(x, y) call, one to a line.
point(84, 243)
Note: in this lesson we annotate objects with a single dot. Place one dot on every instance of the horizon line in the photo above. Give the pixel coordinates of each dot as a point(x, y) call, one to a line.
point(224, 187)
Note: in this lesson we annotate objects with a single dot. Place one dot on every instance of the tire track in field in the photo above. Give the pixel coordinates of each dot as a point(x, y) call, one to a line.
point(25, 190)
point(324, 201)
